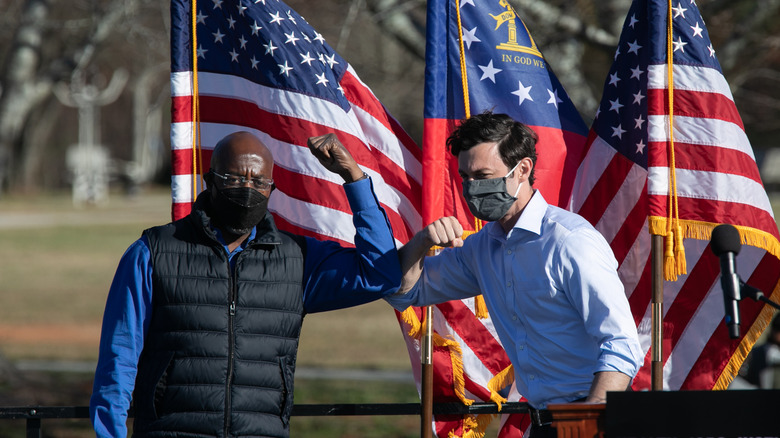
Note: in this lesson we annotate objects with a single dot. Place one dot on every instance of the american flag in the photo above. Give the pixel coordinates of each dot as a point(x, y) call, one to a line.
point(623, 187)
point(504, 71)
point(262, 68)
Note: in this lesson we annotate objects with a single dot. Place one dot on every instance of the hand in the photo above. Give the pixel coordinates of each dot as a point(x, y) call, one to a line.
point(335, 157)
point(444, 232)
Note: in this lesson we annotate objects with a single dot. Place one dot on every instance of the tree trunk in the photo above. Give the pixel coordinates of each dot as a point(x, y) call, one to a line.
point(26, 82)
point(22, 89)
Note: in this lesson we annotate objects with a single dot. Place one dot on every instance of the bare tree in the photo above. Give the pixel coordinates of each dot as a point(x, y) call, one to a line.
point(43, 42)
point(54, 41)
point(579, 37)
point(20, 94)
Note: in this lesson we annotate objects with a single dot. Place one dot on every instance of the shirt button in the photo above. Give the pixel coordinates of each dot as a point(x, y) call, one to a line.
point(531, 376)
point(509, 251)
point(508, 284)
point(522, 347)
point(514, 317)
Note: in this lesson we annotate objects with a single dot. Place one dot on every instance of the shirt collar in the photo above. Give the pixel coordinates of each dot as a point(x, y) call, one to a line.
point(531, 217)
point(240, 247)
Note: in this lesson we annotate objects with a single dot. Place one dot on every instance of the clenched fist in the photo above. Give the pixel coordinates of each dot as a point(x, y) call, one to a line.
point(335, 157)
point(444, 232)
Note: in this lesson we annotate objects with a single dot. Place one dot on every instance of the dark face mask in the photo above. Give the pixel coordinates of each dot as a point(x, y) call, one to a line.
point(237, 210)
point(487, 198)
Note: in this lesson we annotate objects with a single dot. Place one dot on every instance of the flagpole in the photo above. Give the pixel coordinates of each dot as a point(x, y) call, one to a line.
point(659, 251)
point(426, 381)
point(657, 316)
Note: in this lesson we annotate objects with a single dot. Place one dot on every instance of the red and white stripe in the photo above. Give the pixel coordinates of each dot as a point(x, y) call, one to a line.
point(308, 199)
point(482, 355)
point(717, 182)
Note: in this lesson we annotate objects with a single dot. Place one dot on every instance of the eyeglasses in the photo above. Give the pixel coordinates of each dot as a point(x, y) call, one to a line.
point(229, 180)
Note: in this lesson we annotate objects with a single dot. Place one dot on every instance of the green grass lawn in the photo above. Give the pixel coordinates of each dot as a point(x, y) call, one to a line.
point(56, 266)
point(54, 274)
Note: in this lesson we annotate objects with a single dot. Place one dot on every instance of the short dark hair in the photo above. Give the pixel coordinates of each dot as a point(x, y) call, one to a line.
point(515, 140)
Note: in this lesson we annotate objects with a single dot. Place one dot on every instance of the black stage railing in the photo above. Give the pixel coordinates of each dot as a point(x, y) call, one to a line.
point(34, 415)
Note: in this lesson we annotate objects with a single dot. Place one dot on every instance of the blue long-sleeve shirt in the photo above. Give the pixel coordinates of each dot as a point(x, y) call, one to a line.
point(553, 294)
point(334, 277)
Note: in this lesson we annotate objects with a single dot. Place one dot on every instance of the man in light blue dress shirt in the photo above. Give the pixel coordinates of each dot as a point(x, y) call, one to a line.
point(548, 277)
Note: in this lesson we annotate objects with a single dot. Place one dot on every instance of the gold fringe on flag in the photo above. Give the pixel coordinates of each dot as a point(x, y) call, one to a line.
point(416, 329)
point(474, 426)
point(701, 230)
point(501, 380)
point(410, 318)
point(480, 308)
point(740, 354)
point(456, 358)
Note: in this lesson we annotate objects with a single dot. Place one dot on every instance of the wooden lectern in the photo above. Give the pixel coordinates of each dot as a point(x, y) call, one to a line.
point(578, 420)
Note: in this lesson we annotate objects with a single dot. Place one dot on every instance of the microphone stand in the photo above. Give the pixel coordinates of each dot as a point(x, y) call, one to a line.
point(751, 292)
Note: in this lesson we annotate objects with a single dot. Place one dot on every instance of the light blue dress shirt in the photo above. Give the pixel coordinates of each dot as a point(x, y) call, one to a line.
point(554, 296)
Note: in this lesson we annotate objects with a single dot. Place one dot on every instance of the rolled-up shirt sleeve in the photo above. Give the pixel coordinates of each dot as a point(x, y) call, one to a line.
point(588, 270)
point(445, 277)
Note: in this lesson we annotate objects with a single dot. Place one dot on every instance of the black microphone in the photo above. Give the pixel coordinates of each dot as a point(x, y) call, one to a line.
point(725, 243)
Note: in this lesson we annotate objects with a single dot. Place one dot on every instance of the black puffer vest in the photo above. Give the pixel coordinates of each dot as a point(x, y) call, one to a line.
point(219, 355)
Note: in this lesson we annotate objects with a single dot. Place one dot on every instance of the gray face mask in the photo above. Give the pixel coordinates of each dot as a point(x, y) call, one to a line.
point(488, 199)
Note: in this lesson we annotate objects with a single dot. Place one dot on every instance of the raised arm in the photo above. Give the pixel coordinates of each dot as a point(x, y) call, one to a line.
point(336, 276)
point(444, 232)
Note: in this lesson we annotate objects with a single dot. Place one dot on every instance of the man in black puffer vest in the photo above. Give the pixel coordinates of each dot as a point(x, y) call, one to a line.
point(202, 320)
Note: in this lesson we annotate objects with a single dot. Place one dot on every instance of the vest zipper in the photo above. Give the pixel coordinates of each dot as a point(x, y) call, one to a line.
point(231, 347)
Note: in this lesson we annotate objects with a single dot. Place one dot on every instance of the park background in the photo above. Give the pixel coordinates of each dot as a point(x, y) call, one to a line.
point(58, 254)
